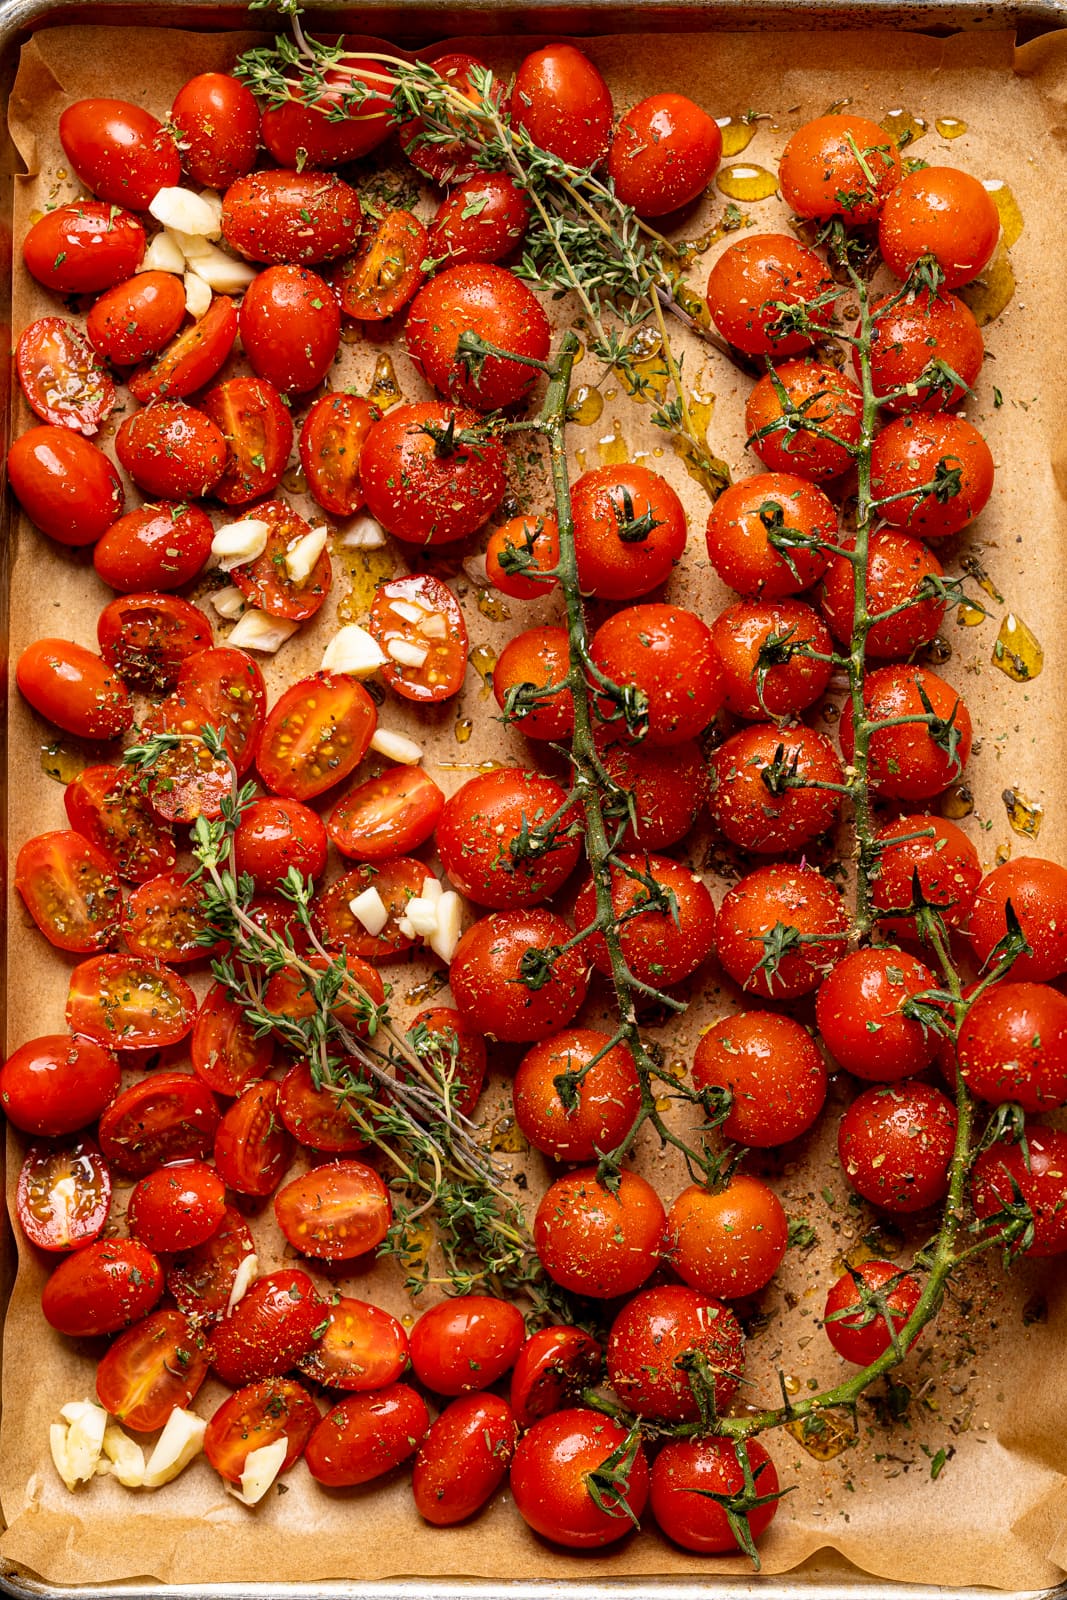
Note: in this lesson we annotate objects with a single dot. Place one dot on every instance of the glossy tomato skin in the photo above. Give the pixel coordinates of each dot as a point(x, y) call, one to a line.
point(1037, 890)
point(601, 1106)
point(290, 327)
point(201, 1280)
point(431, 490)
point(727, 1242)
point(60, 376)
point(463, 1459)
point(744, 518)
point(774, 1071)
point(366, 1436)
point(70, 891)
point(363, 1348)
point(839, 166)
point(553, 1367)
point(225, 1051)
point(862, 1015)
point(662, 946)
point(274, 837)
point(663, 155)
point(688, 1474)
point(845, 1317)
point(1036, 1172)
point(252, 1148)
point(668, 784)
point(219, 124)
point(666, 653)
point(257, 427)
point(898, 568)
point(127, 1003)
point(386, 816)
point(530, 664)
point(146, 637)
point(105, 805)
point(455, 1054)
point(492, 303)
point(66, 486)
point(790, 897)
point(222, 688)
point(597, 1243)
point(315, 736)
point(335, 1212)
point(74, 688)
point(629, 531)
point(172, 451)
point(272, 1325)
point(123, 153)
point(169, 1116)
point(154, 547)
point(102, 1288)
point(386, 270)
point(896, 1144)
point(942, 212)
point(453, 160)
point(155, 1367)
point(911, 761)
point(84, 247)
point(397, 881)
point(483, 219)
point(177, 1207)
point(549, 1480)
point(331, 442)
point(782, 432)
point(946, 863)
point(191, 359)
point(489, 993)
point(762, 647)
point(649, 1340)
point(751, 799)
point(1013, 1046)
point(534, 542)
point(466, 1343)
point(258, 1415)
point(561, 100)
point(57, 1084)
point(910, 453)
point(481, 829)
point(137, 318)
point(913, 334)
point(266, 582)
point(440, 675)
point(282, 216)
point(750, 282)
point(299, 134)
point(63, 1195)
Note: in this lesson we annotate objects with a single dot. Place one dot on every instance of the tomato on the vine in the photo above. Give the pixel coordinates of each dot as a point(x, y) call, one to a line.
point(691, 1478)
point(918, 756)
point(1031, 1168)
point(629, 531)
point(804, 418)
point(1036, 890)
point(774, 656)
point(940, 212)
point(901, 573)
point(518, 550)
point(506, 838)
point(857, 1328)
point(576, 1095)
point(667, 786)
point(931, 474)
point(774, 789)
point(1012, 1045)
point(727, 1241)
point(764, 534)
point(663, 660)
point(839, 166)
point(939, 854)
point(528, 683)
point(863, 1014)
point(495, 306)
point(666, 943)
point(780, 929)
point(551, 1472)
point(926, 351)
point(432, 474)
point(772, 1070)
point(755, 284)
point(512, 978)
point(896, 1144)
point(651, 1337)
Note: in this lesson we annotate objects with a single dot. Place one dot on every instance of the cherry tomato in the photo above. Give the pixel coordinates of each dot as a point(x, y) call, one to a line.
point(146, 637)
point(930, 474)
point(727, 1242)
point(551, 1472)
point(267, 582)
point(63, 1195)
point(666, 655)
point(529, 668)
point(511, 979)
point(275, 837)
point(105, 805)
point(70, 891)
point(839, 166)
point(366, 1436)
point(226, 1053)
point(1033, 1170)
point(331, 442)
point(222, 689)
point(463, 1459)
point(74, 689)
point(926, 352)
point(125, 155)
point(419, 615)
point(763, 534)
point(290, 327)
point(665, 944)
point(155, 1368)
point(690, 1478)
point(629, 531)
point(454, 1054)
point(386, 816)
point(763, 648)
point(767, 787)
point(177, 1207)
point(597, 1241)
point(202, 1279)
point(283, 217)
point(335, 1212)
point(553, 1367)
point(255, 423)
point(520, 547)
point(66, 486)
point(192, 359)
point(169, 1116)
point(493, 842)
point(1013, 1046)
point(940, 212)
point(772, 1070)
point(164, 918)
point(946, 863)
point(448, 161)
point(155, 547)
point(259, 1415)
point(466, 1343)
point(218, 120)
point(899, 572)
point(432, 474)
point(315, 736)
point(918, 758)
point(562, 102)
point(57, 1084)
point(188, 782)
point(1037, 892)
point(129, 1003)
point(663, 154)
point(668, 788)
point(649, 1340)
point(61, 377)
point(494, 305)
point(137, 318)
point(269, 1329)
point(289, 995)
point(252, 1148)
point(298, 133)
point(84, 247)
point(804, 419)
point(779, 930)
point(386, 270)
point(483, 219)
point(319, 1117)
point(576, 1095)
point(755, 280)
point(102, 1288)
point(863, 1016)
point(895, 1145)
point(857, 1330)
point(171, 450)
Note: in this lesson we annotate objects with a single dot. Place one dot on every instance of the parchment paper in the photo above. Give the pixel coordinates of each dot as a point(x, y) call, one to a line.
point(989, 1385)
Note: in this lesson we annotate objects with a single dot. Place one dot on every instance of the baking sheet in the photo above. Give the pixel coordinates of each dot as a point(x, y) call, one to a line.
point(988, 1388)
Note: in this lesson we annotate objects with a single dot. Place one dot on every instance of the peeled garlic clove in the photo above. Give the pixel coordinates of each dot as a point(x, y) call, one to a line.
point(126, 1456)
point(247, 1273)
point(369, 909)
point(396, 747)
point(237, 542)
point(180, 1442)
point(300, 559)
point(185, 211)
point(198, 295)
point(449, 925)
point(163, 255)
point(262, 1466)
point(258, 631)
point(228, 602)
point(353, 653)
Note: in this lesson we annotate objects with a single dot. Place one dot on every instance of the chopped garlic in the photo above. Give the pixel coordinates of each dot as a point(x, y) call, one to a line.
point(228, 602)
point(408, 610)
point(182, 1439)
point(365, 534)
point(212, 198)
point(247, 1272)
point(432, 889)
point(301, 557)
point(77, 1441)
point(406, 653)
point(225, 274)
point(198, 295)
point(237, 542)
point(369, 909)
point(258, 631)
point(435, 626)
point(262, 1466)
point(449, 925)
point(163, 255)
point(407, 928)
point(352, 652)
point(422, 915)
point(187, 212)
point(193, 246)
point(396, 747)
point(125, 1457)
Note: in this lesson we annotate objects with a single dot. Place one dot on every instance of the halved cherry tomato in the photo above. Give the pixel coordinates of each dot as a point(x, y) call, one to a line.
point(83, 247)
point(169, 1116)
point(291, 216)
point(171, 450)
point(63, 1195)
point(290, 995)
point(189, 782)
point(386, 270)
point(464, 1459)
point(317, 1117)
point(57, 1084)
point(363, 1348)
point(67, 487)
point(367, 1435)
point(105, 805)
point(223, 689)
point(552, 1369)
point(290, 327)
point(396, 882)
point(202, 1279)
point(420, 613)
point(315, 736)
point(218, 119)
point(335, 1212)
point(69, 890)
point(331, 441)
point(191, 359)
point(155, 547)
point(177, 1207)
point(269, 1329)
point(266, 582)
point(386, 816)
point(225, 1049)
point(146, 637)
point(137, 318)
point(164, 919)
point(258, 1415)
point(258, 430)
point(155, 1368)
point(252, 1148)
point(74, 689)
point(61, 377)
point(102, 1288)
point(129, 1002)
point(123, 153)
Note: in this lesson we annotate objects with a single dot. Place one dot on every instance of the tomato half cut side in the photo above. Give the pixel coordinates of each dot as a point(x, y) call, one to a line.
point(191, 359)
point(187, 781)
point(258, 430)
point(267, 581)
point(552, 1369)
point(362, 1348)
point(105, 805)
point(335, 1212)
point(61, 377)
point(201, 1280)
point(129, 1002)
point(70, 890)
point(147, 637)
point(315, 736)
point(220, 688)
point(331, 441)
point(386, 816)
point(418, 623)
point(383, 275)
point(396, 881)
point(63, 1195)
point(258, 1415)
point(169, 1116)
point(226, 1052)
point(252, 1148)
point(154, 1368)
point(164, 919)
